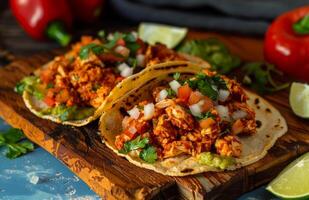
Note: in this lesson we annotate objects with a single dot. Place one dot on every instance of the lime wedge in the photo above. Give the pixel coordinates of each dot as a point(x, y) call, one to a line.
point(293, 181)
point(171, 36)
point(299, 99)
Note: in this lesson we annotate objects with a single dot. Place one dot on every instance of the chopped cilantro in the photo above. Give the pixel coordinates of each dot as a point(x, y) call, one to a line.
point(205, 116)
point(176, 76)
point(207, 85)
point(137, 143)
point(149, 154)
point(15, 143)
point(95, 48)
point(170, 93)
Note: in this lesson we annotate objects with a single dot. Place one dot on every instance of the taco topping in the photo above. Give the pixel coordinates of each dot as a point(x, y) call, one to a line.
point(189, 116)
point(80, 80)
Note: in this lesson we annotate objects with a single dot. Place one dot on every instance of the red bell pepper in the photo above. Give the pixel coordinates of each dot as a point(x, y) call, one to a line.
point(44, 18)
point(87, 11)
point(286, 43)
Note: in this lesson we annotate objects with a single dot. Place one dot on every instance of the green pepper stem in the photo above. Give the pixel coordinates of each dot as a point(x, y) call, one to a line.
point(56, 31)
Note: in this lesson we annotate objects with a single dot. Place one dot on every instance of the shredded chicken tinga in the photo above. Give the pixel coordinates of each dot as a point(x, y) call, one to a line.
point(73, 86)
point(186, 123)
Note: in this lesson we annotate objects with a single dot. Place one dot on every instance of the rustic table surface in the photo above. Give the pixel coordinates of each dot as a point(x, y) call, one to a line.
point(14, 44)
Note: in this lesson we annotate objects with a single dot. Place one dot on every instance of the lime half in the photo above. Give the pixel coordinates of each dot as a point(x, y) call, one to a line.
point(299, 99)
point(293, 181)
point(171, 36)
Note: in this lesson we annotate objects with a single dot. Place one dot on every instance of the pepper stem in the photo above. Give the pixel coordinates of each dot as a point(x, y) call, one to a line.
point(56, 31)
point(302, 26)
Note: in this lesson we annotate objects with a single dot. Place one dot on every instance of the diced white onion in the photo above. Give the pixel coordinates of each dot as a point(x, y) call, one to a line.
point(196, 109)
point(175, 85)
point(122, 51)
point(162, 95)
point(223, 95)
point(140, 59)
point(132, 129)
point(238, 114)
point(134, 112)
point(122, 66)
point(126, 72)
point(148, 111)
point(223, 112)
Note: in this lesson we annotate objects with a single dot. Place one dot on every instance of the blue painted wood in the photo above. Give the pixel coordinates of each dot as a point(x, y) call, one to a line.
point(56, 181)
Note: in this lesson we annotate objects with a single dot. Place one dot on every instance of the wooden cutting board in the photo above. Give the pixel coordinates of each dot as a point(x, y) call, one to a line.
point(113, 177)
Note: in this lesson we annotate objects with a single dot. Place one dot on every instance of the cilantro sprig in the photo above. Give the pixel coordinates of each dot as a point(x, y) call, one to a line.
point(213, 51)
point(205, 116)
point(207, 85)
point(15, 143)
point(148, 153)
point(258, 76)
point(137, 143)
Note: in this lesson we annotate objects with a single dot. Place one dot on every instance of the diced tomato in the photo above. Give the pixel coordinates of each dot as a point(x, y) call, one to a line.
point(208, 104)
point(121, 42)
point(195, 97)
point(237, 127)
point(128, 133)
point(206, 123)
point(142, 48)
point(184, 92)
point(49, 101)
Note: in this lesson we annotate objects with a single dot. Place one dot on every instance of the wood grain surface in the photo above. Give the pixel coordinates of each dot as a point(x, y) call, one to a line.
point(113, 177)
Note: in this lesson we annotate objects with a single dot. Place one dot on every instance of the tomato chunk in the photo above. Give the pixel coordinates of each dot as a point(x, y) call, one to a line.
point(184, 92)
point(195, 97)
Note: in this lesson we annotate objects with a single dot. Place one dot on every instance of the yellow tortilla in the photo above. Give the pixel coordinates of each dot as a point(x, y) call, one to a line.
point(35, 105)
point(255, 147)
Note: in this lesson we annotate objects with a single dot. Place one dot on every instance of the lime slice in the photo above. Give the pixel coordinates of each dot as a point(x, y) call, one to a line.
point(299, 99)
point(171, 36)
point(293, 181)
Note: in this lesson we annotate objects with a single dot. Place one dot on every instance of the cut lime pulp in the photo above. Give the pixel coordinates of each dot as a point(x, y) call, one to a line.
point(293, 181)
point(152, 33)
point(299, 99)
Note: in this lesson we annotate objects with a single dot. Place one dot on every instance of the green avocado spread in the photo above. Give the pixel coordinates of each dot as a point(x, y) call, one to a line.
point(65, 113)
point(215, 160)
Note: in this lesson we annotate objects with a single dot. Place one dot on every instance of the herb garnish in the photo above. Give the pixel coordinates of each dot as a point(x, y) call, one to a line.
point(205, 116)
point(15, 143)
point(207, 85)
point(213, 51)
point(148, 153)
point(137, 143)
point(176, 76)
point(95, 48)
point(170, 93)
point(258, 76)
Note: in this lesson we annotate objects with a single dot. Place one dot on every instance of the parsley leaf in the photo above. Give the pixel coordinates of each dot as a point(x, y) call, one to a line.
point(149, 154)
point(213, 51)
point(13, 141)
point(137, 143)
point(258, 76)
